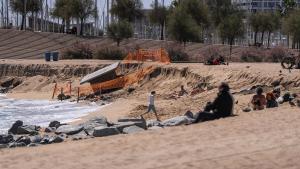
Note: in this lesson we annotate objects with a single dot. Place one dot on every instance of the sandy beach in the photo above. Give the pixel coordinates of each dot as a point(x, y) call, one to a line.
point(258, 139)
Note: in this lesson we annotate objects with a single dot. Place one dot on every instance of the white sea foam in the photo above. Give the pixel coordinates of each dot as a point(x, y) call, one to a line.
point(40, 112)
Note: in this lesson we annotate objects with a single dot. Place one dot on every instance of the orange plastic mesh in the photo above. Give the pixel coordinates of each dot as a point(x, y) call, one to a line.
point(64, 88)
point(143, 55)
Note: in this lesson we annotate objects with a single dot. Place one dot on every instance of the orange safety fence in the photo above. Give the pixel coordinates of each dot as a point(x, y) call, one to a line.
point(142, 55)
point(117, 83)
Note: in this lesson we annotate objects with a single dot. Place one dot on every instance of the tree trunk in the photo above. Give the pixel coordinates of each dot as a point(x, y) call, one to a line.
point(22, 23)
point(262, 37)
point(118, 43)
point(230, 51)
point(81, 27)
point(255, 38)
point(269, 36)
point(162, 36)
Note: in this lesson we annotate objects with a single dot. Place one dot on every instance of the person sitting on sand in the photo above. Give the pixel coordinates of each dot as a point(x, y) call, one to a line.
point(271, 100)
point(182, 91)
point(151, 106)
point(259, 100)
point(221, 107)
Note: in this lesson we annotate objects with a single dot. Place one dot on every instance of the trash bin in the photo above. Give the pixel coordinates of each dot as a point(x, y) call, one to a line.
point(55, 56)
point(48, 56)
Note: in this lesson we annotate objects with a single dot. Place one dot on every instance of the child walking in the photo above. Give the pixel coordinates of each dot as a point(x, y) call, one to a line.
point(151, 105)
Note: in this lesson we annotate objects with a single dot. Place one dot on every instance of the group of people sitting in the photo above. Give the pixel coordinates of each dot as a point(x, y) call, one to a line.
point(271, 99)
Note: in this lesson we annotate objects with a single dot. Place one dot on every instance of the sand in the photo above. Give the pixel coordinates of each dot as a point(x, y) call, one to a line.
point(262, 139)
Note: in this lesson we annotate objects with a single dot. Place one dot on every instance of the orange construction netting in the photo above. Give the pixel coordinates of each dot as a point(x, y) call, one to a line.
point(140, 55)
point(143, 55)
point(62, 88)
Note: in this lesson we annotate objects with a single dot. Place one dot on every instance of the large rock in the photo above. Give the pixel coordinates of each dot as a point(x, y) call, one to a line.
point(24, 139)
point(121, 125)
point(105, 131)
point(82, 135)
point(15, 126)
point(28, 129)
point(132, 129)
point(69, 129)
point(99, 120)
point(140, 122)
point(152, 123)
point(56, 139)
point(36, 139)
point(45, 140)
point(3, 146)
point(89, 126)
point(50, 129)
point(14, 145)
point(54, 124)
point(177, 121)
point(5, 139)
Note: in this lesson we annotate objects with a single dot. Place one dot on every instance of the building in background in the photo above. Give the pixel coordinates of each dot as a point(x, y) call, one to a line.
point(260, 5)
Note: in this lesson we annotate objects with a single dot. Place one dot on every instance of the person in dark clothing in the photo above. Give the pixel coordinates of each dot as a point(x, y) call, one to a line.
point(221, 107)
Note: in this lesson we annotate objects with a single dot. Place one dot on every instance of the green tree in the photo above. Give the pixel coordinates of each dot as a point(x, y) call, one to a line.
point(159, 16)
point(291, 26)
point(120, 30)
point(83, 10)
point(231, 28)
point(272, 24)
point(64, 9)
point(255, 23)
point(199, 12)
point(127, 9)
point(220, 9)
point(20, 7)
point(182, 27)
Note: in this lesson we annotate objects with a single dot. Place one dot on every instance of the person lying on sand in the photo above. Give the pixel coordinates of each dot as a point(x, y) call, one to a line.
point(151, 106)
point(259, 100)
point(175, 95)
point(221, 107)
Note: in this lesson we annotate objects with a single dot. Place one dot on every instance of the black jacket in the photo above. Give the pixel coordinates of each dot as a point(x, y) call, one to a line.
point(222, 106)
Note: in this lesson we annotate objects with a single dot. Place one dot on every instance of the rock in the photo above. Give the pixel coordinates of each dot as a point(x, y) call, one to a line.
point(54, 124)
point(140, 122)
point(105, 131)
point(28, 129)
point(45, 140)
point(121, 125)
point(50, 129)
point(14, 145)
point(152, 123)
point(56, 139)
point(24, 139)
point(95, 122)
point(33, 145)
point(247, 109)
point(15, 126)
point(3, 146)
point(63, 97)
point(81, 135)
point(5, 139)
point(132, 129)
point(155, 128)
point(69, 129)
point(177, 121)
point(36, 139)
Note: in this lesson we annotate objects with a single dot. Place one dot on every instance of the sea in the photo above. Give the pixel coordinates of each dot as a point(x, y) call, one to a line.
point(40, 112)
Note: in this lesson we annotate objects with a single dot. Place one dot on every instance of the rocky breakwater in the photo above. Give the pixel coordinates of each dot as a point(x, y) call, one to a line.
point(20, 135)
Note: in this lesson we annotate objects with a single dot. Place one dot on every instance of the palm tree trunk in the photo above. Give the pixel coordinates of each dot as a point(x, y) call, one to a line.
point(81, 26)
point(262, 37)
point(255, 38)
point(162, 36)
point(22, 23)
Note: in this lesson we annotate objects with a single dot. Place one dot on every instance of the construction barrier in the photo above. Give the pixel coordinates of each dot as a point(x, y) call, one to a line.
point(63, 88)
point(143, 55)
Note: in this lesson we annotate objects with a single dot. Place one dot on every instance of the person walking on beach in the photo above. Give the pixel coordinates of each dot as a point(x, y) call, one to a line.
point(151, 106)
point(221, 107)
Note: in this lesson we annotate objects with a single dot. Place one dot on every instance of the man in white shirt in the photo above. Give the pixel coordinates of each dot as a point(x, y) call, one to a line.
point(151, 106)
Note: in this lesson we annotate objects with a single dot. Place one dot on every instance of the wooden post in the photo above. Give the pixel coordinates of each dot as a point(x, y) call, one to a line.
point(78, 94)
point(61, 94)
point(70, 88)
point(54, 91)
